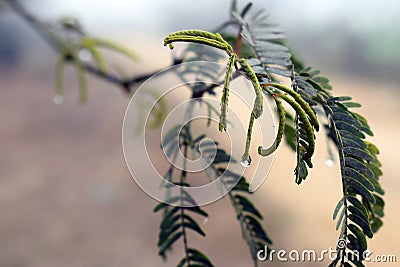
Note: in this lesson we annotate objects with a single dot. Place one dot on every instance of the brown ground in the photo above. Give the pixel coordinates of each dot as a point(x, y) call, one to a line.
point(67, 199)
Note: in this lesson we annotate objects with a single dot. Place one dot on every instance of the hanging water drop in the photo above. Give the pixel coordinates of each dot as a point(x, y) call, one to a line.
point(228, 125)
point(85, 55)
point(58, 99)
point(329, 162)
point(205, 220)
point(246, 162)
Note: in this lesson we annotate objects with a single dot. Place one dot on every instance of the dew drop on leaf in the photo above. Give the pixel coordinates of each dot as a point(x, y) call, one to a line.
point(246, 162)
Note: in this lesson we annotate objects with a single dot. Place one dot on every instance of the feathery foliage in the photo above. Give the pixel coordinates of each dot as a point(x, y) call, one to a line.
point(80, 49)
point(361, 206)
point(172, 228)
point(248, 216)
point(301, 96)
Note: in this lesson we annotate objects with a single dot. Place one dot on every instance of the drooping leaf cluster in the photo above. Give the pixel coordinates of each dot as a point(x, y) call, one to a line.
point(361, 207)
point(82, 51)
point(178, 220)
point(259, 53)
point(309, 95)
point(248, 216)
point(362, 204)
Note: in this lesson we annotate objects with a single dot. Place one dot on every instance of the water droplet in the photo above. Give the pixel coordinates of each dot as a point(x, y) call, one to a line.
point(329, 162)
point(58, 99)
point(228, 125)
point(246, 162)
point(205, 220)
point(85, 54)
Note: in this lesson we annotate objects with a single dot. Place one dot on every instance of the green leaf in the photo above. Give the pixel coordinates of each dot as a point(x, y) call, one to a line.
point(360, 236)
point(197, 210)
point(166, 245)
point(350, 141)
point(360, 189)
point(322, 80)
point(301, 171)
point(364, 225)
point(338, 207)
point(356, 203)
point(345, 116)
point(376, 224)
point(262, 37)
point(83, 87)
point(222, 157)
point(116, 47)
point(290, 136)
point(352, 105)
point(352, 173)
point(192, 224)
point(254, 225)
point(90, 44)
point(345, 126)
point(356, 152)
point(60, 67)
point(377, 172)
point(247, 206)
point(171, 134)
point(359, 165)
point(160, 206)
point(359, 213)
point(246, 9)
point(166, 233)
point(197, 256)
point(340, 220)
point(378, 206)
point(353, 242)
point(168, 221)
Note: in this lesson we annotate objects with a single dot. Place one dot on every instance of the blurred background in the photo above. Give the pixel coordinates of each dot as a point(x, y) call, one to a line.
point(66, 196)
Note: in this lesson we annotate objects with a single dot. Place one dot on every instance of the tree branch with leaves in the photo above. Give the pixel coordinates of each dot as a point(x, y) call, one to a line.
point(305, 103)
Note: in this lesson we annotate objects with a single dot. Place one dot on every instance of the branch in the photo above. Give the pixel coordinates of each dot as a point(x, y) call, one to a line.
point(44, 31)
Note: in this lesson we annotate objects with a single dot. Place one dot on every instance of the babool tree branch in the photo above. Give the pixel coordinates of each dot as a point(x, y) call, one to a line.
point(45, 32)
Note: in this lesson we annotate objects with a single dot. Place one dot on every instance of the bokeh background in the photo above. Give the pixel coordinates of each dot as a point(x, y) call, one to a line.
point(66, 196)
